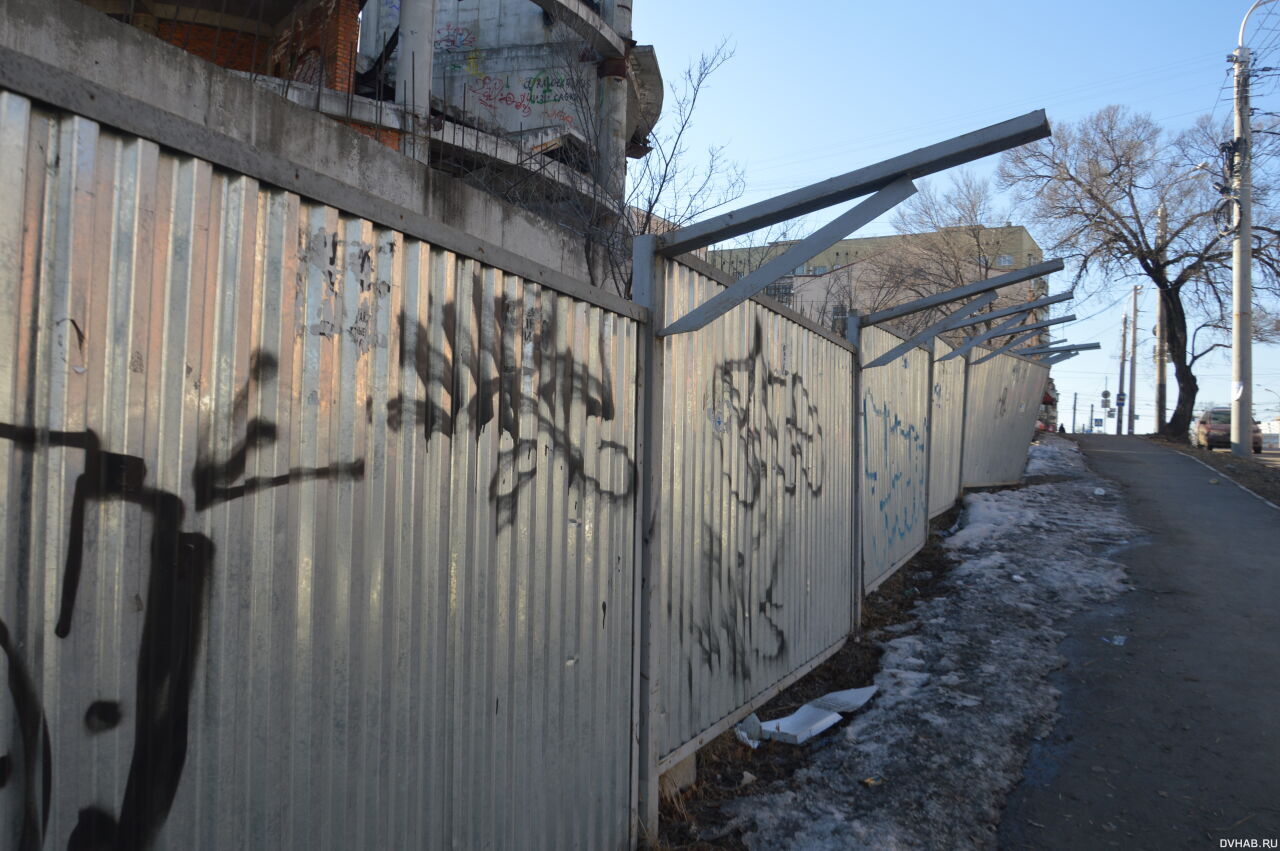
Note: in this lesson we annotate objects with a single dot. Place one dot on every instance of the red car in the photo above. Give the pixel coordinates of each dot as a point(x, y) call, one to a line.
point(1213, 429)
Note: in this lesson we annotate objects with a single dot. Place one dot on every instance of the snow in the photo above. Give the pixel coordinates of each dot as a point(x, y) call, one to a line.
point(963, 686)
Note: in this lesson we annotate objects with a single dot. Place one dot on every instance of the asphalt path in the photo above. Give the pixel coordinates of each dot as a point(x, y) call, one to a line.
point(1170, 734)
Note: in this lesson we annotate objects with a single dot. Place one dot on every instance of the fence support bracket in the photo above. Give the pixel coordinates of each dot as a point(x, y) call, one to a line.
point(863, 181)
point(1053, 350)
point(1059, 358)
point(976, 288)
point(933, 330)
point(979, 339)
point(811, 246)
point(1016, 341)
point(1018, 308)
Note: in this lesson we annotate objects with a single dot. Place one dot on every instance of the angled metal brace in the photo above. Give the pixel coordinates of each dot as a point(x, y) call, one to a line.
point(1006, 347)
point(932, 331)
point(835, 190)
point(811, 246)
point(1053, 350)
point(1059, 358)
point(978, 339)
point(985, 286)
point(1019, 308)
point(1070, 317)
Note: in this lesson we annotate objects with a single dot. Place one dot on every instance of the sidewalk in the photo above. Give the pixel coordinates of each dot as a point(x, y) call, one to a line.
point(1168, 740)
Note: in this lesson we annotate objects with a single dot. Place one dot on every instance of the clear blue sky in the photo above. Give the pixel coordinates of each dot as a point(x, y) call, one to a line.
point(819, 88)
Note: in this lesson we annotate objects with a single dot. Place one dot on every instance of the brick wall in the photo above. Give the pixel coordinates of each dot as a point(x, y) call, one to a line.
point(228, 48)
point(390, 138)
point(319, 44)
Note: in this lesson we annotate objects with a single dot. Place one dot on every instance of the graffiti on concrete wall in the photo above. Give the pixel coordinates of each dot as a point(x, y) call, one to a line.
point(494, 92)
point(452, 38)
point(548, 87)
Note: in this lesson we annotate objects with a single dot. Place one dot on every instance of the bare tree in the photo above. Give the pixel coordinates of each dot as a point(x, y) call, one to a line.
point(669, 187)
point(1096, 187)
point(825, 298)
point(948, 237)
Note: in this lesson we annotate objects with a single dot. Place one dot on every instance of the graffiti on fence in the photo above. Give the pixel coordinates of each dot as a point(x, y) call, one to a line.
point(770, 443)
point(529, 385)
point(895, 460)
point(177, 581)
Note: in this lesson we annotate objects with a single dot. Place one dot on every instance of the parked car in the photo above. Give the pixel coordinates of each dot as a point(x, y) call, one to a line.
point(1213, 429)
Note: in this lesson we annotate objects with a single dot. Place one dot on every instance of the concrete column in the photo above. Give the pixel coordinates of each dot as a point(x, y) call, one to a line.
point(378, 20)
point(613, 131)
point(369, 44)
point(618, 16)
point(614, 90)
point(414, 54)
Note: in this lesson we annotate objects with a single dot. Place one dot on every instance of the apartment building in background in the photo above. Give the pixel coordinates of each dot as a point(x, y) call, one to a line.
point(871, 273)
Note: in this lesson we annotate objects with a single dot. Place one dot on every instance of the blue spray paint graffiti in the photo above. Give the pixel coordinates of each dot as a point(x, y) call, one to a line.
point(894, 473)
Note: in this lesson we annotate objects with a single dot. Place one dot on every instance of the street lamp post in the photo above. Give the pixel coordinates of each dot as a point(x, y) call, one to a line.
point(1242, 256)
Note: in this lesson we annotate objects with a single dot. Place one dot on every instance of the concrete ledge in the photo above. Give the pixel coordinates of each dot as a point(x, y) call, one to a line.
point(68, 55)
point(679, 777)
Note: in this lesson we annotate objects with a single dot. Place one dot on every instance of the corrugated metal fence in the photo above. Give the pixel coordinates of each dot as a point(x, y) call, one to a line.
point(756, 523)
point(896, 402)
point(315, 534)
point(946, 432)
point(1003, 400)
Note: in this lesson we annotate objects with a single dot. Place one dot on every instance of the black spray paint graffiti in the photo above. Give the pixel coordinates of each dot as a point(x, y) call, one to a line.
point(761, 456)
point(504, 389)
point(178, 574)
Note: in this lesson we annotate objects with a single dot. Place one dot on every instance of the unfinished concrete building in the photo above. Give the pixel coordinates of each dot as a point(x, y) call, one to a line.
point(539, 102)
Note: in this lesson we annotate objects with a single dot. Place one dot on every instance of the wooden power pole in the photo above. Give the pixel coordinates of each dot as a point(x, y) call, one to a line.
point(1133, 357)
point(1124, 343)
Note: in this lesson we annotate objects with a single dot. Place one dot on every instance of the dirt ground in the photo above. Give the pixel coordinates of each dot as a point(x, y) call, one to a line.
point(1250, 472)
point(728, 768)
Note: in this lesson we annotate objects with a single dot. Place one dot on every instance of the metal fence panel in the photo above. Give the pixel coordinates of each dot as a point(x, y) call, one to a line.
point(756, 563)
point(946, 431)
point(1003, 400)
point(311, 534)
point(895, 456)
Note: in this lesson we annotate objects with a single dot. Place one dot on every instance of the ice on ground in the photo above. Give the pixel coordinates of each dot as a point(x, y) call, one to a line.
point(964, 690)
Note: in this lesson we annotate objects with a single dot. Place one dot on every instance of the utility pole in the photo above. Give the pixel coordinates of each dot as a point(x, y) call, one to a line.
point(1074, 397)
point(1124, 340)
point(1242, 256)
point(1090, 418)
point(1133, 358)
point(1162, 353)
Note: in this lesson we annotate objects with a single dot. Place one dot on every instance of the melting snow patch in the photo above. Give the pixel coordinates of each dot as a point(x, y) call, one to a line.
point(965, 688)
point(849, 700)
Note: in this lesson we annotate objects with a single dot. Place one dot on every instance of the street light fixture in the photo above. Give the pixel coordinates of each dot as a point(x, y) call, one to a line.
point(1273, 393)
